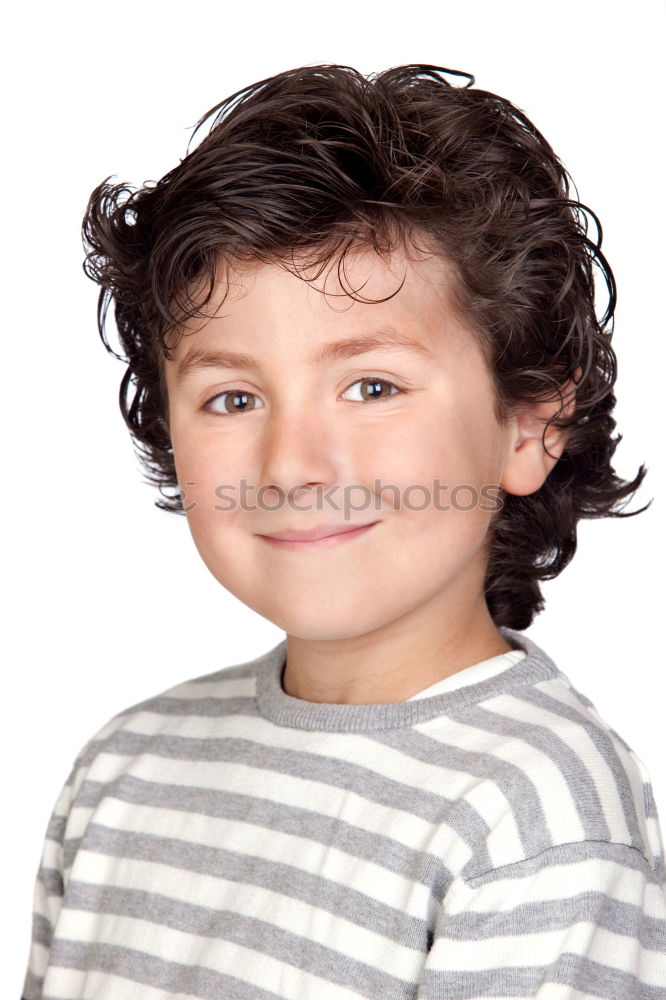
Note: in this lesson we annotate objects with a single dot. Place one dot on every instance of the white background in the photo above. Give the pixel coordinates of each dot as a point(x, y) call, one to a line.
point(107, 600)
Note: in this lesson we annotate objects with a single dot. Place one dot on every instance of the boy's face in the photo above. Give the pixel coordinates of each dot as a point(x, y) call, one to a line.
point(316, 429)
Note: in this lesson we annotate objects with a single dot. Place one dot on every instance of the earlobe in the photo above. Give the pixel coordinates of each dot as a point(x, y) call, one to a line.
point(531, 456)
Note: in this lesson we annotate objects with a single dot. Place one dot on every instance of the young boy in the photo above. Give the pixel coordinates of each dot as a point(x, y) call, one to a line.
point(362, 349)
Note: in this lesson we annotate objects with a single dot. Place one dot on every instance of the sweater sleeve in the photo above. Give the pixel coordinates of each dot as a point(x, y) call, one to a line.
point(578, 920)
point(48, 893)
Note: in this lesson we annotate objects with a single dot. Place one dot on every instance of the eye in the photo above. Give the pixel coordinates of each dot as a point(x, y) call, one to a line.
point(374, 388)
point(239, 402)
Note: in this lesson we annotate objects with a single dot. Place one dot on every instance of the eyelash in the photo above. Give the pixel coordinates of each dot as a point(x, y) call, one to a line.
point(364, 378)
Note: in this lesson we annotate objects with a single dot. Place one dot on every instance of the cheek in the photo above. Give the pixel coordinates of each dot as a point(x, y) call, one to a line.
point(443, 468)
point(453, 447)
point(206, 468)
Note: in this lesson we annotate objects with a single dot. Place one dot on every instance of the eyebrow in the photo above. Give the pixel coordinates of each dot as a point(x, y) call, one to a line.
point(199, 358)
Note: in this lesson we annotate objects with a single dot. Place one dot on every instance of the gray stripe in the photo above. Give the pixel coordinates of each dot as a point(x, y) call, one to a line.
point(279, 877)
point(649, 800)
point(51, 879)
point(90, 752)
point(32, 987)
point(42, 932)
point(209, 707)
point(56, 828)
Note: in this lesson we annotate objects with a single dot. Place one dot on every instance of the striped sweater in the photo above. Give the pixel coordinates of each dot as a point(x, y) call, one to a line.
point(490, 837)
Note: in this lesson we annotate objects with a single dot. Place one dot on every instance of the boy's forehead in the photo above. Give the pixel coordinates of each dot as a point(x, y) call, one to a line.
point(409, 291)
point(363, 272)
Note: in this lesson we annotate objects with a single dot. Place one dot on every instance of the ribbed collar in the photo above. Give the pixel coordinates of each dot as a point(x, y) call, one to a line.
point(285, 710)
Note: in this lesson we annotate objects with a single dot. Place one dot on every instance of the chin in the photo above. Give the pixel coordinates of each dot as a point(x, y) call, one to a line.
point(327, 626)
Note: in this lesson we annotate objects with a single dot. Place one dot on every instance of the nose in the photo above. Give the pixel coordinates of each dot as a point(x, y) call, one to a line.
point(298, 451)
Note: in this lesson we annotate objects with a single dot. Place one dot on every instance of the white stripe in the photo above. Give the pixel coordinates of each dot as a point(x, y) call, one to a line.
point(39, 957)
point(481, 671)
point(41, 902)
point(78, 821)
point(51, 853)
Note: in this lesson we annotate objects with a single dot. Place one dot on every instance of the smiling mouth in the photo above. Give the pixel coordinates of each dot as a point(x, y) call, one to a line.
point(318, 537)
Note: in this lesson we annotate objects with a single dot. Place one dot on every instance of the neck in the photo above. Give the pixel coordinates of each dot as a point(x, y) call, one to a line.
point(393, 662)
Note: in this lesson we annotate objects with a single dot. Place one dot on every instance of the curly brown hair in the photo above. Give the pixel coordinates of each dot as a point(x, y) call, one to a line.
point(317, 160)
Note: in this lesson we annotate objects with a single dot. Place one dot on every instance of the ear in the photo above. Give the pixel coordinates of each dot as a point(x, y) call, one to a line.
point(527, 463)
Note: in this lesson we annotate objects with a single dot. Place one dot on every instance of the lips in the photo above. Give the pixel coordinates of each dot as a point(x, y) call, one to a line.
point(314, 534)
